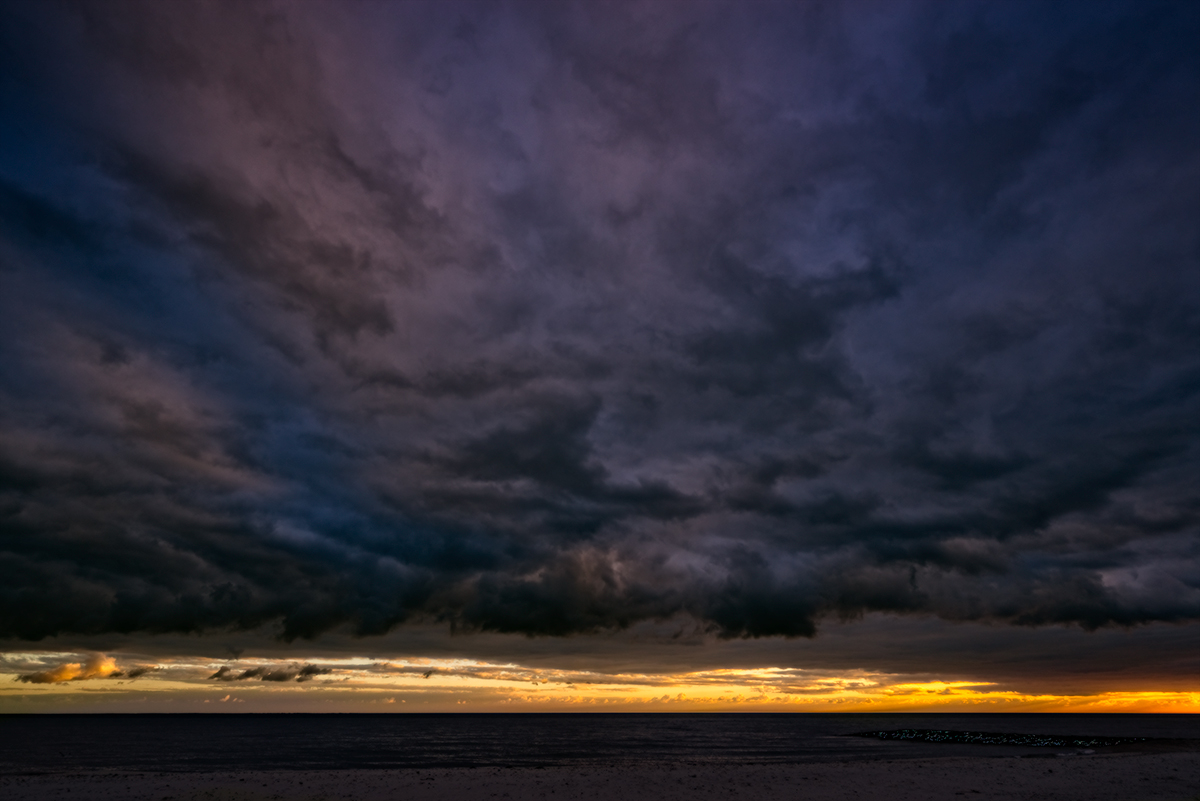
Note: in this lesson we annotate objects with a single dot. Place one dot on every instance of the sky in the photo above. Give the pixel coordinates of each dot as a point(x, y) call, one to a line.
point(437, 356)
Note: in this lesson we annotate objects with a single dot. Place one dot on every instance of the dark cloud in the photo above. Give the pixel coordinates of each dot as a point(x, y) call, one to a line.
point(266, 673)
point(137, 672)
point(551, 321)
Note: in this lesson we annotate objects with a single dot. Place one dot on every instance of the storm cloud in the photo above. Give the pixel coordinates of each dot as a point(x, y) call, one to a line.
point(554, 319)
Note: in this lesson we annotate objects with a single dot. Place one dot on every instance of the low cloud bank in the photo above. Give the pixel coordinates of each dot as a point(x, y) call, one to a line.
point(98, 666)
point(267, 673)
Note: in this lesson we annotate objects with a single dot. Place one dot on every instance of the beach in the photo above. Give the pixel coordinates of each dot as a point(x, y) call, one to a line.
point(1110, 777)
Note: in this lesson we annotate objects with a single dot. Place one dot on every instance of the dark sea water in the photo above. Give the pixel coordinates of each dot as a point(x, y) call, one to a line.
point(42, 743)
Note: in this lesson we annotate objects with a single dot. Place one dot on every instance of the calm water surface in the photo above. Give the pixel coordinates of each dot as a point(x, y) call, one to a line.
point(37, 743)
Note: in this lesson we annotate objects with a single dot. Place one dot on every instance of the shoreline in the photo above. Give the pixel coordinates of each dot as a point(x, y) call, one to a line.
point(1126, 776)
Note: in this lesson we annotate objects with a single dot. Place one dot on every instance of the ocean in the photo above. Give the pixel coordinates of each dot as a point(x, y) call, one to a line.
point(33, 744)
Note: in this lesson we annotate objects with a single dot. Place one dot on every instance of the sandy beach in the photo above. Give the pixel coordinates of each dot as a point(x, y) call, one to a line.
point(1123, 777)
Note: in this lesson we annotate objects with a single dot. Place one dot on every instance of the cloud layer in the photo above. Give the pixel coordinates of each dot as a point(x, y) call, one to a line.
point(98, 666)
point(553, 319)
point(287, 673)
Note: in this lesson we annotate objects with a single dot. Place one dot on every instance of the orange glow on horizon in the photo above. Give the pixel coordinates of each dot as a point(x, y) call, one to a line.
point(57, 680)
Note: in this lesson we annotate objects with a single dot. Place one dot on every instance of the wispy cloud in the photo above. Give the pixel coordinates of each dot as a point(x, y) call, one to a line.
point(264, 673)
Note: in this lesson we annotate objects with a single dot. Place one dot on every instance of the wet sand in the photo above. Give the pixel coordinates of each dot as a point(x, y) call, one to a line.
point(1118, 777)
